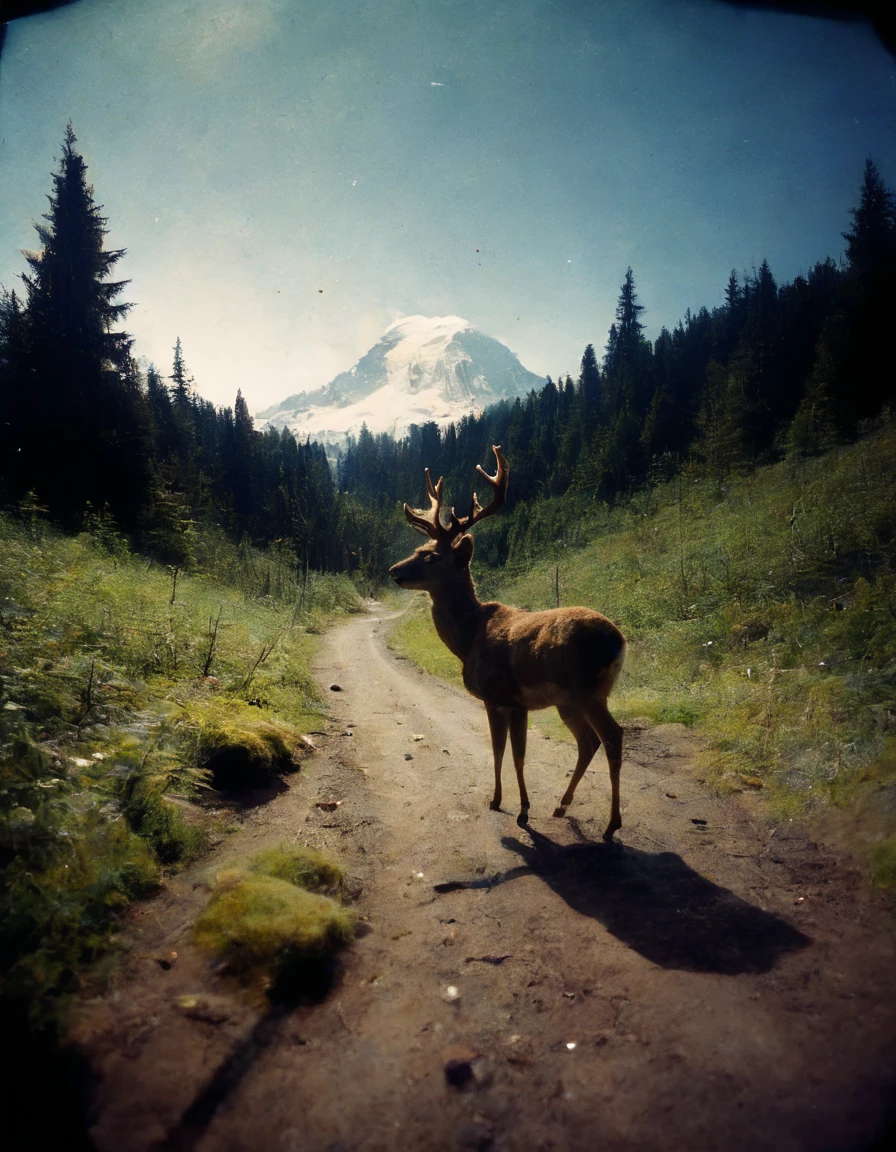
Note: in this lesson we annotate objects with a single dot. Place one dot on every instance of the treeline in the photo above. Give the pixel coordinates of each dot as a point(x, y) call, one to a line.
point(775, 370)
point(86, 434)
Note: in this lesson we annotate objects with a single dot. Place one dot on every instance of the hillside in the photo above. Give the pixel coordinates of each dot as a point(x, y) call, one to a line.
point(760, 612)
point(126, 691)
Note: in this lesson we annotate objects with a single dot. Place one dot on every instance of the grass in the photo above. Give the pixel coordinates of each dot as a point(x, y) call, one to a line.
point(413, 637)
point(761, 612)
point(118, 704)
point(883, 862)
point(268, 920)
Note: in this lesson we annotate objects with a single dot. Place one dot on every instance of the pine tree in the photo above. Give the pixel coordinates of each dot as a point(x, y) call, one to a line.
point(244, 464)
point(181, 381)
point(629, 327)
point(13, 396)
point(610, 351)
point(184, 411)
point(871, 240)
point(588, 395)
point(627, 388)
point(85, 439)
point(734, 316)
point(815, 427)
point(870, 297)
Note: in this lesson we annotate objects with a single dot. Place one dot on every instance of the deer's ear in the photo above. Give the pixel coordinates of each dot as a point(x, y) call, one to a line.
point(463, 551)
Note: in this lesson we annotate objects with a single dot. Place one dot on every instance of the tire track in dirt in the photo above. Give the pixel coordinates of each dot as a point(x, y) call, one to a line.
point(661, 993)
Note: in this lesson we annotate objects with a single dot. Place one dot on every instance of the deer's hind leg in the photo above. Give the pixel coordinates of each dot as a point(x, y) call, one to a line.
point(611, 734)
point(519, 723)
point(587, 742)
point(498, 723)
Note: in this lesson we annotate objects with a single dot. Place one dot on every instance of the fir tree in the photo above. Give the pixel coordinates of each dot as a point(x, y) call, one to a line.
point(182, 382)
point(14, 428)
point(588, 395)
point(871, 240)
point(84, 434)
point(870, 297)
point(815, 427)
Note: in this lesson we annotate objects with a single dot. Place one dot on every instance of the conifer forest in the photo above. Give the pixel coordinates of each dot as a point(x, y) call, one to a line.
point(778, 371)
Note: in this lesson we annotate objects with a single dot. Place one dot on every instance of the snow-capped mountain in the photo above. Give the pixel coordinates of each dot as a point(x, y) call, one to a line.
point(422, 368)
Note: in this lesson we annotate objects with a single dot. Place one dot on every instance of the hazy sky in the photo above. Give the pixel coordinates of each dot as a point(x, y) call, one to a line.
point(290, 176)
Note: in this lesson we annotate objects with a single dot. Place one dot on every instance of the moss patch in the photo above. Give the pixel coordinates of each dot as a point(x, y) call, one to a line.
point(257, 922)
point(302, 867)
point(240, 745)
point(266, 926)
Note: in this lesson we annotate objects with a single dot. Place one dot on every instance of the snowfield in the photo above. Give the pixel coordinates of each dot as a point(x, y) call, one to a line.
point(422, 368)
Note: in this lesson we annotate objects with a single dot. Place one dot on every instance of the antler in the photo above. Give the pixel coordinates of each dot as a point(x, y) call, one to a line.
point(430, 524)
point(498, 484)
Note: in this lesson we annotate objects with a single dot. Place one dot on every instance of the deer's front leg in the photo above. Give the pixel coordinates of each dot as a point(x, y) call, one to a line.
point(519, 723)
point(498, 722)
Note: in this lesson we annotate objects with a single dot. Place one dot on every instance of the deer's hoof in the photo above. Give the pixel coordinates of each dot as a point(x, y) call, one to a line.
point(612, 827)
point(523, 818)
point(495, 805)
point(560, 810)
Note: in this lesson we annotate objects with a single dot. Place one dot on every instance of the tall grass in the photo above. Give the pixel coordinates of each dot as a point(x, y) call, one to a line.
point(117, 689)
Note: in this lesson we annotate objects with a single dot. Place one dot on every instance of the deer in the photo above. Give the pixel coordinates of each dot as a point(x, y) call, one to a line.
point(514, 660)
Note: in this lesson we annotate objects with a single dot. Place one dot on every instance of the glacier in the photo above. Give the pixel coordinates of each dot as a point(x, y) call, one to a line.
point(422, 368)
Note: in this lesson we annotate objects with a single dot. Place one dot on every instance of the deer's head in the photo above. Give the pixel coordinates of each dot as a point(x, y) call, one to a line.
point(449, 549)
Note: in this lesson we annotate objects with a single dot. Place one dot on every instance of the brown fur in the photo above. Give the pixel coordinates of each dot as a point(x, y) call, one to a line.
point(516, 661)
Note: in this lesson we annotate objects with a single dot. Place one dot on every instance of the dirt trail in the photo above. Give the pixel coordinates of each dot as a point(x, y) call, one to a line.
point(665, 993)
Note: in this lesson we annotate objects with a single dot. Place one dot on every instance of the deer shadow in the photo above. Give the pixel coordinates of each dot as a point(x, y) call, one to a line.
point(653, 902)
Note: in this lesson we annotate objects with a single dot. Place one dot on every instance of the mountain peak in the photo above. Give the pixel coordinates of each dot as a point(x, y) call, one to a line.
point(422, 368)
point(421, 329)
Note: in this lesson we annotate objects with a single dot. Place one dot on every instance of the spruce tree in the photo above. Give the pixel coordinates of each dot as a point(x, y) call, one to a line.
point(13, 396)
point(870, 297)
point(85, 424)
point(182, 382)
point(871, 240)
point(588, 395)
point(815, 427)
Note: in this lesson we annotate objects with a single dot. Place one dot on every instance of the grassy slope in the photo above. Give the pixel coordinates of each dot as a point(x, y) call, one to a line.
point(104, 712)
point(762, 612)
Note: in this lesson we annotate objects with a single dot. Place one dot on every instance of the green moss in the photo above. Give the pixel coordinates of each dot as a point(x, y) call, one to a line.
point(218, 725)
point(269, 918)
point(261, 924)
point(239, 745)
point(302, 867)
point(60, 900)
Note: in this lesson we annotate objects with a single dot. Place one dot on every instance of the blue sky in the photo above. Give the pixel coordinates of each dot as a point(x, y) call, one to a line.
point(291, 176)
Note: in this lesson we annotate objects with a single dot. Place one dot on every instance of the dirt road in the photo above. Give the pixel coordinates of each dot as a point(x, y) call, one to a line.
point(704, 984)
